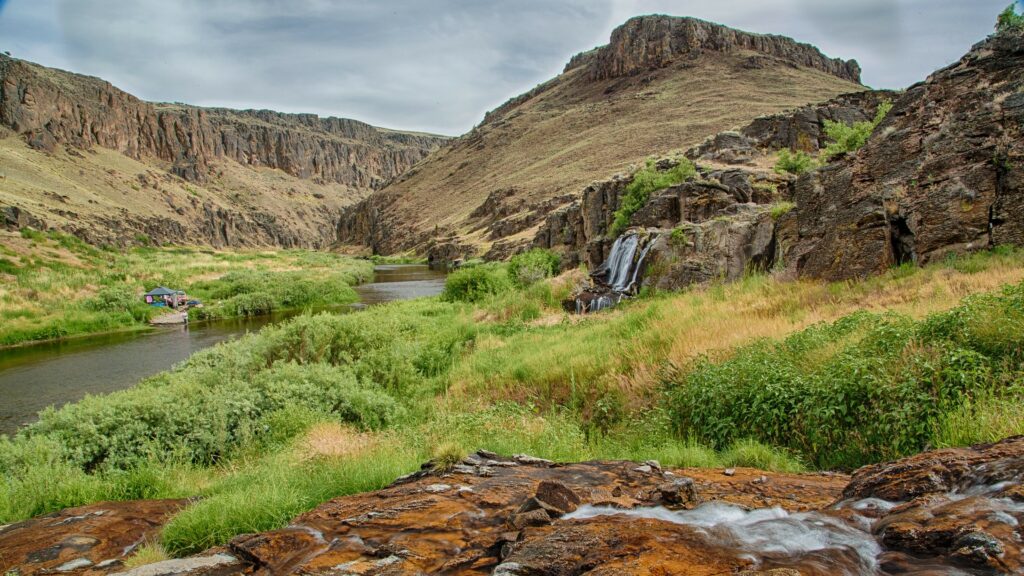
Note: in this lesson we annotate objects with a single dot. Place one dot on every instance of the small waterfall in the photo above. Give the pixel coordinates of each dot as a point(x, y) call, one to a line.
point(617, 276)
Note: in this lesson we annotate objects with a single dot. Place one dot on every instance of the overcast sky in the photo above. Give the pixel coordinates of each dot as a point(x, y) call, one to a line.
point(433, 65)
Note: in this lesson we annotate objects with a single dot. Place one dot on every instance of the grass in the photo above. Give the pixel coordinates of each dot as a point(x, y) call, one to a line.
point(267, 426)
point(59, 287)
point(147, 553)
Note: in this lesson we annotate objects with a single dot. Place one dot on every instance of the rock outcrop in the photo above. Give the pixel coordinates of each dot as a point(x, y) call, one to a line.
point(943, 173)
point(51, 107)
point(213, 161)
point(955, 511)
point(733, 216)
point(661, 83)
point(645, 43)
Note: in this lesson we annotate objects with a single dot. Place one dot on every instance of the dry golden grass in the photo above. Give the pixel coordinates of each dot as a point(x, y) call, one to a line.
point(627, 350)
point(334, 440)
point(579, 130)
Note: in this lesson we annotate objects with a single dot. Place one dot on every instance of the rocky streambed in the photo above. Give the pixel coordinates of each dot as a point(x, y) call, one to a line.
point(955, 511)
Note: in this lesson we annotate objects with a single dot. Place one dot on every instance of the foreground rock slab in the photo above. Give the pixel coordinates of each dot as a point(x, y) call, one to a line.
point(92, 539)
point(945, 512)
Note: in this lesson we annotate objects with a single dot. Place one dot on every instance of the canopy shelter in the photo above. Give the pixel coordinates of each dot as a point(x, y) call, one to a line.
point(172, 298)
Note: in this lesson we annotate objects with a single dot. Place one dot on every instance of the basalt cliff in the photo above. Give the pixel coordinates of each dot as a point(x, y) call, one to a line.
point(79, 155)
point(662, 83)
point(941, 174)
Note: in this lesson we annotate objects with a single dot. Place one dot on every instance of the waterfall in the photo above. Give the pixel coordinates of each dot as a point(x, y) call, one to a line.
point(617, 275)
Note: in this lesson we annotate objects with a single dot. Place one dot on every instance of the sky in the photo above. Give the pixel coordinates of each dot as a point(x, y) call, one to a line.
point(434, 65)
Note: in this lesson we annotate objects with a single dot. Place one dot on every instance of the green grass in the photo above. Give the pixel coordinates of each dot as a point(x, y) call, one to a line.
point(505, 371)
point(63, 287)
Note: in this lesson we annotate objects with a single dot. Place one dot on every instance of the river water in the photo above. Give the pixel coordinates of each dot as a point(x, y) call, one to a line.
point(52, 374)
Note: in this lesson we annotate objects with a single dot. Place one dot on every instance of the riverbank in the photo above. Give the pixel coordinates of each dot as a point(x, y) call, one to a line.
point(271, 425)
point(56, 287)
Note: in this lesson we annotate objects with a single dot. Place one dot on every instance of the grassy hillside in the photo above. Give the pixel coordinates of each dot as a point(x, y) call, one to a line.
point(573, 130)
point(56, 286)
point(785, 376)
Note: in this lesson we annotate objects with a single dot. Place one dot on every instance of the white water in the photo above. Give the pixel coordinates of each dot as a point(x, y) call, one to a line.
point(768, 534)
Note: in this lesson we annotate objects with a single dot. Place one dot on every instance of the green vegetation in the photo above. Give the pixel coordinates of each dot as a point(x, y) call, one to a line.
point(783, 376)
point(1009, 20)
point(793, 162)
point(846, 138)
point(533, 266)
point(678, 236)
point(780, 209)
point(477, 282)
point(645, 181)
point(59, 287)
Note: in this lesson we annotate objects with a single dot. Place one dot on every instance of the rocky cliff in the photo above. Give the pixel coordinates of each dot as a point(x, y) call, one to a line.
point(662, 83)
point(943, 173)
point(954, 511)
point(940, 174)
point(57, 112)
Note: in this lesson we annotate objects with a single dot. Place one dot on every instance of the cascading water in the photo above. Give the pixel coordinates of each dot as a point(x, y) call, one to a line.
point(617, 276)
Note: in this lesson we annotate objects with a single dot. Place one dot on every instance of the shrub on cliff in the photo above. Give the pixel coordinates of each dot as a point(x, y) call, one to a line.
point(533, 266)
point(793, 162)
point(475, 283)
point(1009, 20)
point(849, 138)
point(645, 181)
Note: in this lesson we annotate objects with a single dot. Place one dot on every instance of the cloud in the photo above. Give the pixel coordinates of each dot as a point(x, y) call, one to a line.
point(434, 65)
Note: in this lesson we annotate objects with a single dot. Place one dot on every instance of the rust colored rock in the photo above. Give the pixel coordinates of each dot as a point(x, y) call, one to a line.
point(87, 540)
point(940, 471)
point(557, 496)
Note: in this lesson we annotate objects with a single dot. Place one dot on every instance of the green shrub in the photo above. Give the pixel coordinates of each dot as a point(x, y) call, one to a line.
point(1009, 20)
point(793, 162)
point(475, 283)
point(780, 209)
point(646, 181)
point(143, 239)
point(530, 267)
point(865, 388)
point(849, 138)
point(678, 237)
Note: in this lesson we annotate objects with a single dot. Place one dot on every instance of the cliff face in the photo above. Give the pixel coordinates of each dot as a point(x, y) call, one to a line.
point(943, 173)
point(661, 84)
point(52, 109)
point(650, 42)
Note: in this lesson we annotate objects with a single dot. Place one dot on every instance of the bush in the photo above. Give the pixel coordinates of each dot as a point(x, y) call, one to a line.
point(1009, 20)
point(646, 181)
point(793, 162)
point(474, 283)
point(865, 388)
point(530, 267)
point(847, 138)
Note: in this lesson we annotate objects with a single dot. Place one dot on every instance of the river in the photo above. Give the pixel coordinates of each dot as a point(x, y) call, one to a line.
point(52, 374)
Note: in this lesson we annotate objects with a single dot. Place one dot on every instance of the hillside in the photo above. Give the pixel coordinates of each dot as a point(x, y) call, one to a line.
point(661, 84)
point(84, 157)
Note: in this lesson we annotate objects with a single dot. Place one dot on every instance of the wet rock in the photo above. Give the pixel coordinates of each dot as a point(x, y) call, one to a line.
point(82, 540)
point(679, 492)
